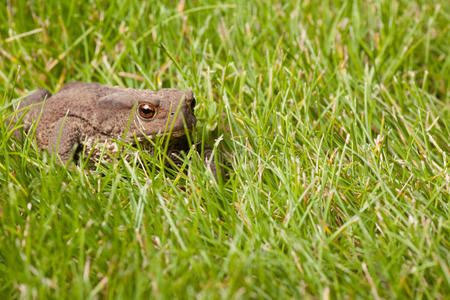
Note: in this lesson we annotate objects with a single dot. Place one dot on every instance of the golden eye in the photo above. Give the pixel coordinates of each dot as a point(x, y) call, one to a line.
point(146, 111)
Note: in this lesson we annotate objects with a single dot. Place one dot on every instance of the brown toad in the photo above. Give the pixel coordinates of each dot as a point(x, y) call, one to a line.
point(93, 115)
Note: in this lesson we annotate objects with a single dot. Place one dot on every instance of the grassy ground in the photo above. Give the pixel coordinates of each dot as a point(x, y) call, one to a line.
point(333, 117)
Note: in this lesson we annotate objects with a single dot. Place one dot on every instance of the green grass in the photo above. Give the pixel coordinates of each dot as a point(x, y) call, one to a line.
point(332, 118)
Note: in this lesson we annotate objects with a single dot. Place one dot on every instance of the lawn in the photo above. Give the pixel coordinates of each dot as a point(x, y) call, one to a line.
point(331, 119)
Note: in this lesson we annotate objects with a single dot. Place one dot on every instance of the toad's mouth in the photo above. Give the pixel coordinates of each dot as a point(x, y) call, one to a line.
point(177, 141)
point(174, 134)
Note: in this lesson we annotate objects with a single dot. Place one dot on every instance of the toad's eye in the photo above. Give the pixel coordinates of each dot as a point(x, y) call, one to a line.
point(146, 111)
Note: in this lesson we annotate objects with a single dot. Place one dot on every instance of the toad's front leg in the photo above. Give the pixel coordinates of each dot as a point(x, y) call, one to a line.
point(65, 137)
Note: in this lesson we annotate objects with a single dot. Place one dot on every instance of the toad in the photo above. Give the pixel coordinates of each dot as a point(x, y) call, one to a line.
point(94, 116)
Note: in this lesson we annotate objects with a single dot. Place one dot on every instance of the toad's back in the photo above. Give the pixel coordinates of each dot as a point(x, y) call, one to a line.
point(74, 96)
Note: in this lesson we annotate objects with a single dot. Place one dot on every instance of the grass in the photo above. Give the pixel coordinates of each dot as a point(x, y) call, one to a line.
point(332, 118)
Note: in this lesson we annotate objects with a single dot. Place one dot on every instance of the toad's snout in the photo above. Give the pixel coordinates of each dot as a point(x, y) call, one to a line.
point(189, 112)
point(184, 115)
point(188, 106)
point(191, 104)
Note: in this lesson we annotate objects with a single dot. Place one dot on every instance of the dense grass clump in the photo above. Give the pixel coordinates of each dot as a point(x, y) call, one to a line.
point(332, 120)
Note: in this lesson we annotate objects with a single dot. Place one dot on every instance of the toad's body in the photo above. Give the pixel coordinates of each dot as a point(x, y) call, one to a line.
point(94, 115)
